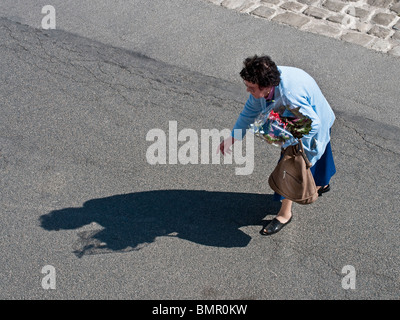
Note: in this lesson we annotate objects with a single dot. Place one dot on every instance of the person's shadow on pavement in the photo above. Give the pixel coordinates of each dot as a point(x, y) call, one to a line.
point(131, 221)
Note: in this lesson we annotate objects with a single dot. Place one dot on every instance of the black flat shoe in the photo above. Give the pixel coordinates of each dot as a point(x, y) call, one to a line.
point(323, 190)
point(273, 227)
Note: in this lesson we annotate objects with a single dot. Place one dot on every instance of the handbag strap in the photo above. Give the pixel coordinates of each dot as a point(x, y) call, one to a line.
point(300, 149)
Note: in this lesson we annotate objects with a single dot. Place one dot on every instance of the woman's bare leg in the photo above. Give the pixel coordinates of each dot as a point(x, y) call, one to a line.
point(285, 213)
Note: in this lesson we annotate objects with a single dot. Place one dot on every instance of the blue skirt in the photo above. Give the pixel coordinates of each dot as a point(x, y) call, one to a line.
point(322, 170)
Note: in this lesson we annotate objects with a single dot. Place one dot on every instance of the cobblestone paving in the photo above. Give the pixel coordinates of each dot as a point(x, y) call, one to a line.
point(374, 24)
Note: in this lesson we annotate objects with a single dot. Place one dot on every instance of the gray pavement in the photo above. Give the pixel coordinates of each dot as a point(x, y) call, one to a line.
point(373, 24)
point(77, 192)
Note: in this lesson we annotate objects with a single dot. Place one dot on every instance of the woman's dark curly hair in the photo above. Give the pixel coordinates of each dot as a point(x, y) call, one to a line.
point(261, 70)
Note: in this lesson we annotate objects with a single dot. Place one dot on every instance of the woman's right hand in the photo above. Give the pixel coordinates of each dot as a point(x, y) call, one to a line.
point(226, 145)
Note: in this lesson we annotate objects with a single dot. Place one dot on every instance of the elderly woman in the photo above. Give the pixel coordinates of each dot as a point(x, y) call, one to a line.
point(271, 87)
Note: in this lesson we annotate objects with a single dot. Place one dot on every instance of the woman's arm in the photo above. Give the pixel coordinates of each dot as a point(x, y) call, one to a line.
point(250, 111)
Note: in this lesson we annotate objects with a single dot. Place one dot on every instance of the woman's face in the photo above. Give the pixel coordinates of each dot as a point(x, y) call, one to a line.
point(256, 91)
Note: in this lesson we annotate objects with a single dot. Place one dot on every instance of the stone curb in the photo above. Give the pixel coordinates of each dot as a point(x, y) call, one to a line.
point(373, 24)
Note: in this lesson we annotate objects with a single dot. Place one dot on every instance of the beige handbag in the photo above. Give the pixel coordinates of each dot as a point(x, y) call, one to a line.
point(292, 177)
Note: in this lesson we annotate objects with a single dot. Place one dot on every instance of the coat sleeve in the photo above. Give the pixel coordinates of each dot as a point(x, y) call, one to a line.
point(314, 150)
point(251, 110)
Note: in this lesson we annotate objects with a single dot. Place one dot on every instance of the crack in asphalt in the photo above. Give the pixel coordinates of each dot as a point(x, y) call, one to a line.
point(91, 67)
point(363, 136)
point(97, 66)
point(47, 47)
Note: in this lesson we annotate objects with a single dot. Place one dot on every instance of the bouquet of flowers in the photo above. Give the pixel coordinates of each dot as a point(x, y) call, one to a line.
point(277, 130)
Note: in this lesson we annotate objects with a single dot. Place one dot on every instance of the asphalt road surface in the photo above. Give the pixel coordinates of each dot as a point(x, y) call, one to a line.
point(79, 192)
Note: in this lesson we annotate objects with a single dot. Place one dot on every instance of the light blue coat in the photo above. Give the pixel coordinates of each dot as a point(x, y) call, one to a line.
point(296, 89)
